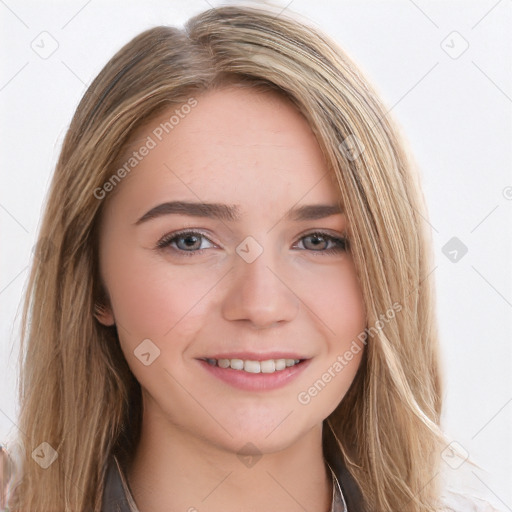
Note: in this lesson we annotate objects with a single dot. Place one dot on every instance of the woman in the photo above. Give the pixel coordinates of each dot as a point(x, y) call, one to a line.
point(230, 309)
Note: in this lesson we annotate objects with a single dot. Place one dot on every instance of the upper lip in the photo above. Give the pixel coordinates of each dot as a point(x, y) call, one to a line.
point(252, 356)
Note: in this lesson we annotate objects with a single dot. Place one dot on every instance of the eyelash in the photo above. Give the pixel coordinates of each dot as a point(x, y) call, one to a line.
point(167, 240)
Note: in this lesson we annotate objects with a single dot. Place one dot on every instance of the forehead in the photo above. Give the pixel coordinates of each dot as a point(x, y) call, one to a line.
point(231, 142)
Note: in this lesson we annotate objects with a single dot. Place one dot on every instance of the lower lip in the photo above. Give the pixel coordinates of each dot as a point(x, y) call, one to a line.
point(256, 381)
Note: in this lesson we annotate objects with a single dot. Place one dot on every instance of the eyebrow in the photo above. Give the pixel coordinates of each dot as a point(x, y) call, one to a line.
point(232, 212)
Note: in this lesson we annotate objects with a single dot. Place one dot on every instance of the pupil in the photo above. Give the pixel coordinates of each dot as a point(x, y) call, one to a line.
point(316, 240)
point(190, 240)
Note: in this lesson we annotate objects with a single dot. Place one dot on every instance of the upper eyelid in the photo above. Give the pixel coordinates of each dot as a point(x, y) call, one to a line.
point(186, 231)
point(172, 236)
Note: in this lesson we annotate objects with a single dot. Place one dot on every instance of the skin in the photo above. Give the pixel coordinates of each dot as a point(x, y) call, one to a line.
point(254, 150)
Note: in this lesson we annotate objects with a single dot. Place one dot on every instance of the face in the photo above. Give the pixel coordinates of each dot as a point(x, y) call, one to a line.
point(214, 305)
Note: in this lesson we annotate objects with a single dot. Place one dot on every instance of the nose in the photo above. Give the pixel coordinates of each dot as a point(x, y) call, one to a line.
point(259, 294)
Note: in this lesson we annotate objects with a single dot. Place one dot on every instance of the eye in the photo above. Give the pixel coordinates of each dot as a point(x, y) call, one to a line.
point(190, 243)
point(186, 242)
point(323, 243)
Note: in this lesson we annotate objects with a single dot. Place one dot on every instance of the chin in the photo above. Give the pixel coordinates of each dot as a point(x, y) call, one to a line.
point(265, 433)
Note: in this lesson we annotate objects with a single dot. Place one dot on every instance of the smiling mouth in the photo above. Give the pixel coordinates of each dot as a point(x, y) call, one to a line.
point(251, 366)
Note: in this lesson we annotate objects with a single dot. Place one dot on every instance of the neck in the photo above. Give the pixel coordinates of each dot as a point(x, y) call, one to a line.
point(172, 470)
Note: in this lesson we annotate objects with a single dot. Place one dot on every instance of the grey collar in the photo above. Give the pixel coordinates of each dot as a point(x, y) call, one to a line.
point(338, 500)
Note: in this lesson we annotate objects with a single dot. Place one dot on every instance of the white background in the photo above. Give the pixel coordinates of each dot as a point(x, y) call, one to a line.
point(456, 113)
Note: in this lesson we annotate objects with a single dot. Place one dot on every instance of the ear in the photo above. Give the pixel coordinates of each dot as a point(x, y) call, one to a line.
point(104, 314)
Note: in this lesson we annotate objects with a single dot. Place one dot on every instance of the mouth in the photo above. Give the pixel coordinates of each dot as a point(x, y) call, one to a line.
point(252, 365)
point(253, 372)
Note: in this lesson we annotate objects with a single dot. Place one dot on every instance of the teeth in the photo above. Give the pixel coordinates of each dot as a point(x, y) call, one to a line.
point(252, 366)
point(280, 364)
point(236, 364)
point(269, 366)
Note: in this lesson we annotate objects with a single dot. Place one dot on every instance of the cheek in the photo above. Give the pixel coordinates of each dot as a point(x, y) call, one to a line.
point(335, 298)
point(339, 308)
point(152, 298)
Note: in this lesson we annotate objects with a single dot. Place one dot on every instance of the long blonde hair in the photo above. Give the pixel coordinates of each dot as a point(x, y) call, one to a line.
point(77, 392)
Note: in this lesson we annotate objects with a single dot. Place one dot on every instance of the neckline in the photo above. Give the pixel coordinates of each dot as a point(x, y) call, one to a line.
point(125, 497)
